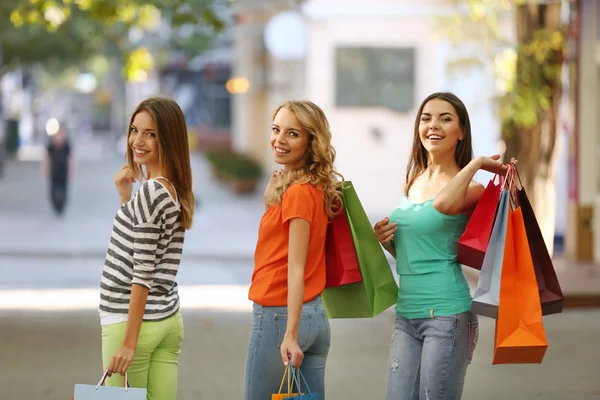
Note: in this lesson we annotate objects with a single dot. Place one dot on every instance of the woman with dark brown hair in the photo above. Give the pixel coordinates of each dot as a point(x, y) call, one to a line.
point(435, 333)
point(142, 329)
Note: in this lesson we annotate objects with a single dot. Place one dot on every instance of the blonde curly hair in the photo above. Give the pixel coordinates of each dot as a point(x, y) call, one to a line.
point(320, 169)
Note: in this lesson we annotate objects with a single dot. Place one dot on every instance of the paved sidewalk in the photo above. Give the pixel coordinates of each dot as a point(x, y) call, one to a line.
point(225, 225)
point(44, 354)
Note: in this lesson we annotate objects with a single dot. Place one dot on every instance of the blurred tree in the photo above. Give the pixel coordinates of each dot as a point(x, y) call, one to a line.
point(528, 78)
point(58, 33)
point(67, 37)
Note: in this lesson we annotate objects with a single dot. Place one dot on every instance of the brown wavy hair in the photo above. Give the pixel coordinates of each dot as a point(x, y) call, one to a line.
point(320, 169)
point(174, 151)
point(464, 150)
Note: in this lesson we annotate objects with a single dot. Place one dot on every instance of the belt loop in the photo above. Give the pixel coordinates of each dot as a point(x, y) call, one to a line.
point(431, 313)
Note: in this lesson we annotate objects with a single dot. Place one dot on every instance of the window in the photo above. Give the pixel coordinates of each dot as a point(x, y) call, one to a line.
point(375, 77)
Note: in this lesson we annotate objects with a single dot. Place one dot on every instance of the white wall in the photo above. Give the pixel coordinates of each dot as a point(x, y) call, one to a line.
point(377, 168)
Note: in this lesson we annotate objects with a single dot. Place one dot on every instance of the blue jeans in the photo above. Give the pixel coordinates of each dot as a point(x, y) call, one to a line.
point(429, 357)
point(264, 366)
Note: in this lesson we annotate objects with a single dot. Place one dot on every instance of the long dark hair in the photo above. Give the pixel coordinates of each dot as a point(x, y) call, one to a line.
point(464, 150)
point(174, 150)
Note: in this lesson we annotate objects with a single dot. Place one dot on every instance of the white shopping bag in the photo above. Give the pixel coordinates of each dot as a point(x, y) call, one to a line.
point(101, 392)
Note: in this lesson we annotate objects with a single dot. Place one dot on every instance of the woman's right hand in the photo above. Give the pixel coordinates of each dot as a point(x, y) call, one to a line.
point(272, 182)
point(384, 231)
point(124, 180)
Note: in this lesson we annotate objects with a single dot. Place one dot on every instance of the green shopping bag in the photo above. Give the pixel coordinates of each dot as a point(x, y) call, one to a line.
point(378, 290)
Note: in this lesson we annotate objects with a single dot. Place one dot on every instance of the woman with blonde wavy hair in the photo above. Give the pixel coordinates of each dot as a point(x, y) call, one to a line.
point(290, 323)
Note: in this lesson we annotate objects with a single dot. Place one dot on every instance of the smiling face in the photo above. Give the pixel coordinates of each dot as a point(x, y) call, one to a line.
point(439, 127)
point(143, 141)
point(289, 140)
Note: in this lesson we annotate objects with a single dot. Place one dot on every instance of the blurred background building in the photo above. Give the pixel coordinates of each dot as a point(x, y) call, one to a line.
point(528, 72)
point(367, 64)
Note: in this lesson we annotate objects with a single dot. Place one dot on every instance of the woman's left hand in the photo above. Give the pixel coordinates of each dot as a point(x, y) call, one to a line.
point(119, 363)
point(505, 168)
point(289, 347)
point(492, 164)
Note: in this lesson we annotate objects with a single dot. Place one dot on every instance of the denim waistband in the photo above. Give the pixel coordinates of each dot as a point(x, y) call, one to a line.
point(315, 304)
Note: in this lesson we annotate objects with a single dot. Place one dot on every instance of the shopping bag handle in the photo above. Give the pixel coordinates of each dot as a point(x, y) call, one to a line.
point(509, 176)
point(510, 185)
point(303, 379)
point(502, 178)
point(514, 166)
point(105, 375)
point(285, 373)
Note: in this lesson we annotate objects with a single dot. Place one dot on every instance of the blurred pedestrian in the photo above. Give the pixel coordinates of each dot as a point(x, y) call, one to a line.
point(58, 167)
point(290, 322)
point(142, 328)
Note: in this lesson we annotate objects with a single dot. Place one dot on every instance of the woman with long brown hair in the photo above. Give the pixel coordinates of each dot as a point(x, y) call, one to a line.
point(142, 329)
point(290, 323)
point(435, 333)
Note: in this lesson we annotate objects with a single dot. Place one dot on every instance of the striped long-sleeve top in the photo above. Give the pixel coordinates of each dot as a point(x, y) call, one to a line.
point(145, 248)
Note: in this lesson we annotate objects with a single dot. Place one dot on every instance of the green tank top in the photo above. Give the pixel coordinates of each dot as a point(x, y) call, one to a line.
point(431, 280)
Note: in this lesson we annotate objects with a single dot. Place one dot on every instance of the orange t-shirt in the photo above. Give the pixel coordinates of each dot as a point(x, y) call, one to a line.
point(270, 278)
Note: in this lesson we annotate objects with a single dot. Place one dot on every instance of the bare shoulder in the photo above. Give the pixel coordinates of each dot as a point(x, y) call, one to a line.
point(475, 191)
point(476, 186)
point(169, 186)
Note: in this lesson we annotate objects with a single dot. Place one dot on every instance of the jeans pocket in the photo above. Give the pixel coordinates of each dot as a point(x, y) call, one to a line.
point(473, 337)
point(327, 328)
point(304, 328)
point(257, 322)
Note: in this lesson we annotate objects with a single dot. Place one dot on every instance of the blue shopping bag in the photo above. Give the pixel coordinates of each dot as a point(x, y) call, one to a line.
point(101, 392)
point(303, 396)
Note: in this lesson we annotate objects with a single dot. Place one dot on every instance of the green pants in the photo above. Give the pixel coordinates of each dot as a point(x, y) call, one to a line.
point(156, 358)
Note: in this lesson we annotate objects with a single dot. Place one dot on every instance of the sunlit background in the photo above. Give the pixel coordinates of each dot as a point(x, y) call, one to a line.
point(528, 72)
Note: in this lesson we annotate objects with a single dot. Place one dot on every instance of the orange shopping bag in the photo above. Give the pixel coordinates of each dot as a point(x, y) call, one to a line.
point(520, 335)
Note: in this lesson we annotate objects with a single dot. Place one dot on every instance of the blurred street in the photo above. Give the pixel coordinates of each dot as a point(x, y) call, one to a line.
point(46, 353)
point(224, 224)
point(50, 334)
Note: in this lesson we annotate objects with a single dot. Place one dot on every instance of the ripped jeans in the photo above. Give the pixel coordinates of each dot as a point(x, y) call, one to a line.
point(429, 357)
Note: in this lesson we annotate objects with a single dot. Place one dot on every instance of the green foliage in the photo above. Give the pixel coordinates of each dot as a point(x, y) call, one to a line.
point(31, 43)
point(539, 69)
point(59, 33)
point(233, 165)
point(524, 74)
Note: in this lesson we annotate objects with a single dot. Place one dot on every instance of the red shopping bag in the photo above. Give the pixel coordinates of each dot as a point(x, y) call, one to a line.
point(342, 262)
point(474, 240)
point(520, 335)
